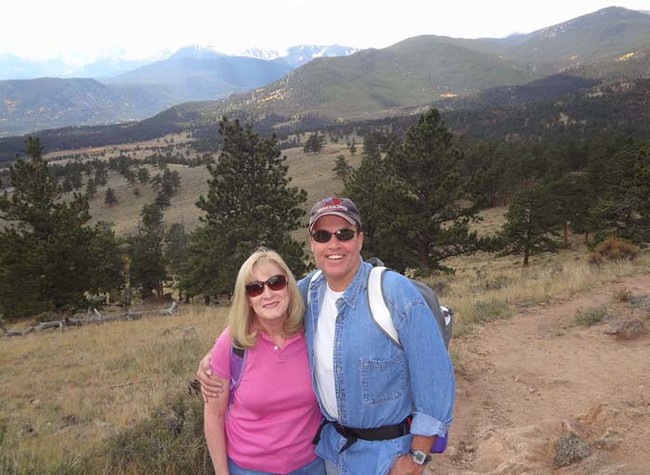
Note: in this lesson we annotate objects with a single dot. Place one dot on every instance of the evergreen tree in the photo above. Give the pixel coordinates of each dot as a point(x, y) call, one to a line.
point(314, 144)
point(147, 260)
point(423, 208)
point(342, 169)
point(623, 207)
point(110, 198)
point(91, 188)
point(531, 224)
point(363, 186)
point(572, 198)
point(205, 271)
point(249, 202)
point(48, 257)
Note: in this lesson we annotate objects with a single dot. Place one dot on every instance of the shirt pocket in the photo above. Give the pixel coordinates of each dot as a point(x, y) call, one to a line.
point(383, 380)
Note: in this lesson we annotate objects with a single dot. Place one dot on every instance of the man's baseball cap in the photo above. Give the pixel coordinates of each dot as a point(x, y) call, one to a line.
point(333, 206)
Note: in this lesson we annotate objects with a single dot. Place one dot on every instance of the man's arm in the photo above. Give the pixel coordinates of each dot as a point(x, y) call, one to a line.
point(404, 464)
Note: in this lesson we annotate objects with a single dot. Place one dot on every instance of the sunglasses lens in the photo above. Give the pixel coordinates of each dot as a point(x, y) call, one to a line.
point(321, 235)
point(254, 288)
point(277, 282)
point(345, 234)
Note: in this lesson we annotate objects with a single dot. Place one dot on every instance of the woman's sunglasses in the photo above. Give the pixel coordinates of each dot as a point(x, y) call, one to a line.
point(344, 234)
point(275, 283)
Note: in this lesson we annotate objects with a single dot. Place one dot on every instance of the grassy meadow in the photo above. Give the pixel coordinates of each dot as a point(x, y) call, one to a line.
point(78, 400)
point(113, 398)
point(311, 172)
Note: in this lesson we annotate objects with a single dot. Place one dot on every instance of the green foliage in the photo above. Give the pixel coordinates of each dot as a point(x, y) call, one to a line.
point(531, 224)
point(569, 449)
point(623, 207)
point(170, 441)
point(572, 197)
point(314, 143)
point(342, 169)
point(249, 204)
point(415, 204)
point(487, 311)
point(147, 269)
point(612, 249)
point(165, 184)
point(49, 259)
point(110, 198)
point(590, 316)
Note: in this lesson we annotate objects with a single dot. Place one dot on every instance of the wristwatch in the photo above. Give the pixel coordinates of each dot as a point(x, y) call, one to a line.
point(419, 457)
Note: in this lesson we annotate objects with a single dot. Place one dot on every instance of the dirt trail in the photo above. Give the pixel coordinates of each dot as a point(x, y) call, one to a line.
point(524, 382)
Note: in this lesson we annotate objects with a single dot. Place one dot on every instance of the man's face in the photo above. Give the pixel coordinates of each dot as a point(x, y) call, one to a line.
point(339, 260)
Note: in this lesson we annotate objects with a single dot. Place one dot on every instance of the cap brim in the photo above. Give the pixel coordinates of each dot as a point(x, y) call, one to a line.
point(332, 213)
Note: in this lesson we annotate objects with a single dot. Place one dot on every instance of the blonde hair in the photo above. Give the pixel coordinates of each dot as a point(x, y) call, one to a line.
point(241, 316)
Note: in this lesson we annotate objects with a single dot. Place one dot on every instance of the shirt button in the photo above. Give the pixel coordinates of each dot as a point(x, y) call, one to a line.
point(275, 347)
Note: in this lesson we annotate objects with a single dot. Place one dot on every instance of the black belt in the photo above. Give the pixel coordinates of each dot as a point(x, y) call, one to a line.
point(380, 433)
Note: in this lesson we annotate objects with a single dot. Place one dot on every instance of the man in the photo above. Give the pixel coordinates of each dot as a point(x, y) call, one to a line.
point(383, 405)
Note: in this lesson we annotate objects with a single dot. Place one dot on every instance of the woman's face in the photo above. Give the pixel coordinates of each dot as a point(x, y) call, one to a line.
point(271, 306)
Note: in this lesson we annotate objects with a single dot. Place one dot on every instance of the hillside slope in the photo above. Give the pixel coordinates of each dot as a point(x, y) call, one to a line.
point(522, 383)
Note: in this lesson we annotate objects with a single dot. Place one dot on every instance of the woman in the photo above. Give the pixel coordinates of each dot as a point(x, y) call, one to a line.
point(270, 422)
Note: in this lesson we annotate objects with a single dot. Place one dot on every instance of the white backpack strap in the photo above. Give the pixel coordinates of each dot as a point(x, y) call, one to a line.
point(378, 308)
point(314, 276)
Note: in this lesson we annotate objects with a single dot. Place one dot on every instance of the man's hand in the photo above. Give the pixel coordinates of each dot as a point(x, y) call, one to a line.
point(404, 465)
point(210, 387)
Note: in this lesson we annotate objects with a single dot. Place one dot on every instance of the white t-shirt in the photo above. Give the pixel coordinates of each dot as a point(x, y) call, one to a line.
point(324, 352)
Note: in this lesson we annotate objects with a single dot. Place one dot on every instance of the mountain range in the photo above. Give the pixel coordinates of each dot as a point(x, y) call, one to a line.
point(120, 91)
point(341, 84)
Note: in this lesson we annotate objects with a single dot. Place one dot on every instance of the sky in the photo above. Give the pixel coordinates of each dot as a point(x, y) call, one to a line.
point(81, 31)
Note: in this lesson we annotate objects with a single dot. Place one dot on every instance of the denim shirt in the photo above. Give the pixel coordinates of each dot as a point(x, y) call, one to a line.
point(377, 382)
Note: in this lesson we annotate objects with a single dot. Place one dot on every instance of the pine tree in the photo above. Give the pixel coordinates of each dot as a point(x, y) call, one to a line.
point(363, 186)
point(48, 256)
point(531, 224)
point(249, 202)
point(147, 268)
point(623, 206)
point(342, 169)
point(314, 144)
point(424, 205)
point(110, 198)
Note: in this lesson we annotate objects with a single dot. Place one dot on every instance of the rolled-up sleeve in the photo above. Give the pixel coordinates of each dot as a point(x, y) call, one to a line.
point(431, 373)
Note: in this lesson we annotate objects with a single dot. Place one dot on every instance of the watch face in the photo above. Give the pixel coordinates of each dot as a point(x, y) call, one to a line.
point(419, 457)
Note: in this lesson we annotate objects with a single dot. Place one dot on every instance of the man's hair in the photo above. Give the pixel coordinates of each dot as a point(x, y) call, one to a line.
point(241, 317)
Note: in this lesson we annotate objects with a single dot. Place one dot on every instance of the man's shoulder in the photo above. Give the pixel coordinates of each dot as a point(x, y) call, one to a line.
point(397, 285)
point(304, 282)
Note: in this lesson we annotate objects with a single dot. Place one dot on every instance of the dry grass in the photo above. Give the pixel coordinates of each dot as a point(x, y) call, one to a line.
point(66, 391)
point(486, 287)
point(313, 173)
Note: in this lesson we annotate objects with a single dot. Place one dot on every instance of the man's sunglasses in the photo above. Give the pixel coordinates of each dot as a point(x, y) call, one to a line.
point(344, 234)
point(275, 283)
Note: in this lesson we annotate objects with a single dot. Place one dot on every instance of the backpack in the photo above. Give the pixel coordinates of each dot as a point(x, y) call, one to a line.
point(237, 361)
point(382, 317)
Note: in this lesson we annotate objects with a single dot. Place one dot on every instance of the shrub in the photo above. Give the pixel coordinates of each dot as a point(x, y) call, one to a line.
point(622, 295)
point(612, 249)
point(590, 316)
point(486, 311)
point(570, 449)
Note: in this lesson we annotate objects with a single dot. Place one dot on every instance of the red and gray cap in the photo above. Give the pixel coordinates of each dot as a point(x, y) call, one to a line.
point(342, 207)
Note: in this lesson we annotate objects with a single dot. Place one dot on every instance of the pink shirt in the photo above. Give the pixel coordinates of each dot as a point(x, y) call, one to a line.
point(274, 414)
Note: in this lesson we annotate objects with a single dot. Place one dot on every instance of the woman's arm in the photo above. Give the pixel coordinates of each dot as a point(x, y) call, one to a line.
point(214, 416)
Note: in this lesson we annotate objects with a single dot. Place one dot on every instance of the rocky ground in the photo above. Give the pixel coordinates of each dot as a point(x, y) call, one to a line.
point(540, 394)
